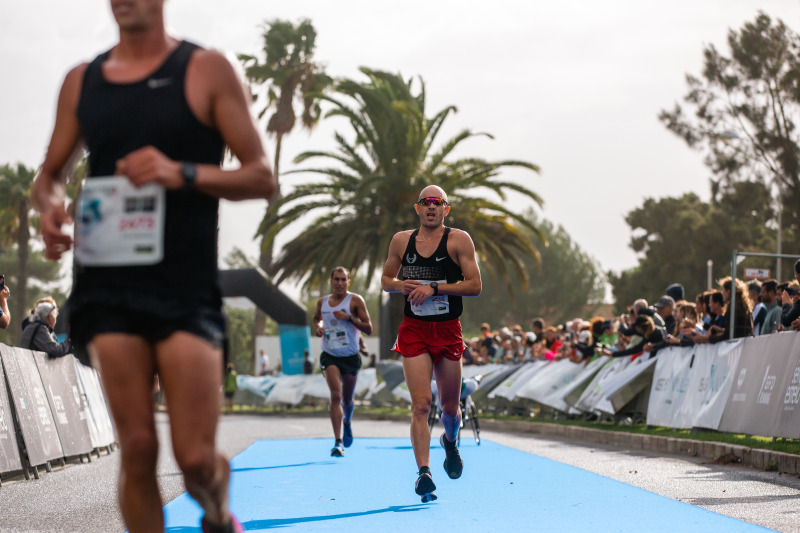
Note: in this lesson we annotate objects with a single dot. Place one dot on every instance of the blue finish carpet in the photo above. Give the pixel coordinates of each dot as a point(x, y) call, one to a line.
point(294, 485)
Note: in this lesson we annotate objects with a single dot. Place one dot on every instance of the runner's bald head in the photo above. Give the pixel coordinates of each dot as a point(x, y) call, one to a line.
point(433, 190)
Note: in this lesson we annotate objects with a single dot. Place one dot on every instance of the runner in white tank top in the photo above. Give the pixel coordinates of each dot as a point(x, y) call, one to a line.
point(340, 319)
point(341, 336)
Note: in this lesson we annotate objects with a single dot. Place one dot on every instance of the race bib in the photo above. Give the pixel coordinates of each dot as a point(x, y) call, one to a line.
point(117, 224)
point(435, 305)
point(336, 337)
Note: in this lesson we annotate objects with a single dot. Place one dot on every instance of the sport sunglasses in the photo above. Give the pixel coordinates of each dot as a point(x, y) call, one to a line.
point(431, 200)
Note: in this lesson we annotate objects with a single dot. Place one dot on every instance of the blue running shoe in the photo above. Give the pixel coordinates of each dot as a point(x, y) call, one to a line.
point(453, 464)
point(348, 435)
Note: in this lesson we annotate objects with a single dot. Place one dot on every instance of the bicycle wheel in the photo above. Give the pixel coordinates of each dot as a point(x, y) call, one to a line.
point(473, 420)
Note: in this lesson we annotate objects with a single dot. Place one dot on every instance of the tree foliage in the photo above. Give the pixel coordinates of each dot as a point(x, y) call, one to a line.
point(566, 283)
point(369, 190)
point(675, 237)
point(372, 180)
point(744, 113)
point(28, 275)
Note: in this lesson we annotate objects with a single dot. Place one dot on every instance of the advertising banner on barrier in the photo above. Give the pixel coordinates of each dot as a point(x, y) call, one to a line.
point(101, 429)
point(593, 397)
point(766, 390)
point(68, 405)
point(509, 387)
point(549, 386)
point(668, 390)
point(30, 403)
point(288, 390)
point(573, 393)
point(9, 450)
point(625, 386)
point(710, 380)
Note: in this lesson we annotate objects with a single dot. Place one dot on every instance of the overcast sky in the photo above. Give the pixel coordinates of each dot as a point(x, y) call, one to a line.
point(572, 86)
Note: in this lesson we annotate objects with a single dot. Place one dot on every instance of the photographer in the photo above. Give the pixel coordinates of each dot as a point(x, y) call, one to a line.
point(5, 315)
point(38, 334)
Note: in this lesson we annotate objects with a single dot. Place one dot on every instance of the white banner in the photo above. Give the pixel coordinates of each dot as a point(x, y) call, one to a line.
point(593, 397)
point(670, 384)
point(508, 388)
point(711, 378)
point(552, 384)
point(622, 388)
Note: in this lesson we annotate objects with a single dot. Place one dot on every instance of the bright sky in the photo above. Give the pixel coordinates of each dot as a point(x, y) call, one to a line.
point(572, 86)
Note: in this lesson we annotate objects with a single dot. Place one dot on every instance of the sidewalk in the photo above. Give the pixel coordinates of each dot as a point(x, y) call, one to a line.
point(717, 452)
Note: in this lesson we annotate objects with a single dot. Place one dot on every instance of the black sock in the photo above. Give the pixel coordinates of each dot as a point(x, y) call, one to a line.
point(424, 470)
point(338, 441)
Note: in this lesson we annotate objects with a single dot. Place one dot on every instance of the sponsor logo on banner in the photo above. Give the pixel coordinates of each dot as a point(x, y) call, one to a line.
point(767, 386)
point(740, 396)
point(792, 396)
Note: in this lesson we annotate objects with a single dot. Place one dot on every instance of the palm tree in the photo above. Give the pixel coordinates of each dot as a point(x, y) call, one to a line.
point(369, 192)
point(288, 72)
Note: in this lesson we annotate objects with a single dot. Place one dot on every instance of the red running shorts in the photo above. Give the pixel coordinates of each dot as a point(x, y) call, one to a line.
point(440, 339)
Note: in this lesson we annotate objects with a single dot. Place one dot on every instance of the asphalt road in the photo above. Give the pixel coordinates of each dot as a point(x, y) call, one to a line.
point(81, 497)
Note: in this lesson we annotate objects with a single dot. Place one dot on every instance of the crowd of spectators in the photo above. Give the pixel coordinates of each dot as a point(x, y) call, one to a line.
point(758, 308)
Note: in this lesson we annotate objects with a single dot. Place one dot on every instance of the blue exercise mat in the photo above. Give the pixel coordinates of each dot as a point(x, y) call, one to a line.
point(295, 485)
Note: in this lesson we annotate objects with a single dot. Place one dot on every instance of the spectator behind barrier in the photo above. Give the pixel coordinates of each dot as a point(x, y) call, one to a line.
point(664, 307)
point(769, 296)
point(38, 334)
point(759, 309)
point(675, 291)
point(5, 315)
point(743, 326)
point(652, 337)
point(791, 304)
point(791, 307)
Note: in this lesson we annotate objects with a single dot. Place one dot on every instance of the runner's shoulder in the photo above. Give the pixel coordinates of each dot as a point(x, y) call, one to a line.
point(460, 236)
point(402, 237)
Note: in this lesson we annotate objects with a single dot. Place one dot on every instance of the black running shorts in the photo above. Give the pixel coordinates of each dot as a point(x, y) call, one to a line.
point(350, 364)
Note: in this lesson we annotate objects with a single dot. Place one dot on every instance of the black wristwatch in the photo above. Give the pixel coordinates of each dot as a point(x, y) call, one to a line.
point(435, 287)
point(189, 174)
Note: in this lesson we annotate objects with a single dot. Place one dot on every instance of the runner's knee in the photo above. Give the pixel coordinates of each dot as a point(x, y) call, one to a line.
point(421, 406)
point(139, 451)
point(198, 465)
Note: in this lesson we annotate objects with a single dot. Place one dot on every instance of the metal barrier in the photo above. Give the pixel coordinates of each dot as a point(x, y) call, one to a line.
point(50, 410)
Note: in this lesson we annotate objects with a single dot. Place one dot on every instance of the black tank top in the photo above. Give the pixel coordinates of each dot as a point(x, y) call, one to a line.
point(438, 267)
point(118, 118)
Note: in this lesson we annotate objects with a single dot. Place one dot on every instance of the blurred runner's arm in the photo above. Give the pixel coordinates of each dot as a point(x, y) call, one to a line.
point(48, 193)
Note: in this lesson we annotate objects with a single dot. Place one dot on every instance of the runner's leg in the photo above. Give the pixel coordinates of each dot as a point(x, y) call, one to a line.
point(448, 381)
point(418, 371)
point(333, 376)
point(127, 368)
point(348, 391)
point(191, 376)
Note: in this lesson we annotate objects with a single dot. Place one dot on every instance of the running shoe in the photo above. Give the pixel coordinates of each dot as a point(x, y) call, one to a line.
point(348, 435)
point(424, 486)
point(337, 450)
point(453, 464)
point(234, 526)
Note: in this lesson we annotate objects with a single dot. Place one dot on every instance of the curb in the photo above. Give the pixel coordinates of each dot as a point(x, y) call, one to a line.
point(723, 453)
point(720, 452)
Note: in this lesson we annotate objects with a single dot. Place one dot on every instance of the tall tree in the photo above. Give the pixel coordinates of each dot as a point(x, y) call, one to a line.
point(675, 238)
point(564, 284)
point(746, 107)
point(23, 265)
point(285, 74)
point(368, 193)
